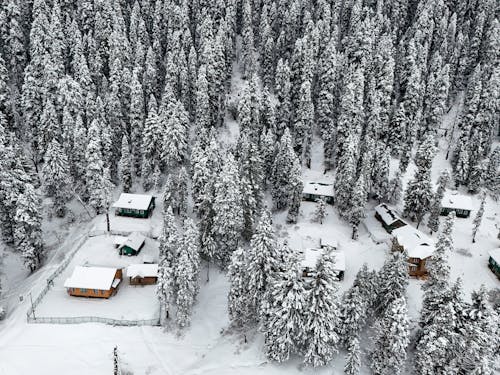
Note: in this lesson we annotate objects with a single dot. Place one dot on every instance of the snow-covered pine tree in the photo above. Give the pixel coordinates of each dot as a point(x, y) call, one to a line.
point(433, 222)
point(418, 194)
point(283, 162)
point(95, 168)
point(437, 284)
point(357, 205)
point(295, 188)
point(238, 297)
point(345, 177)
point(320, 211)
point(353, 358)
point(392, 281)
point(392, 336)
point(228, 219)
point(353, 312)
point(322, 316)
point(491, 175)
point(56, 176)
point(28, 227)
point(125, 166)
point(478, 218)
point(480, 332)
point(186, 273)
point(262, 261)
point(284, 329)
point(396, 188)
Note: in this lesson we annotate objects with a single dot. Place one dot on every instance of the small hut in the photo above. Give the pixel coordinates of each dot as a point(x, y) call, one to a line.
point(388, 217)
point(453, 201)
point(418, 247)
point(142, 274)
point(133, 244)
point(96, 282)
point(134, 205)
point(311, 257)
point(494, 261)
point(316, 190)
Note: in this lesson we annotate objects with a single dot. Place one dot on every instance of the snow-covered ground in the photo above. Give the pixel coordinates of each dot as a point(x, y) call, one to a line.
point(130, 302)
point(206, 347)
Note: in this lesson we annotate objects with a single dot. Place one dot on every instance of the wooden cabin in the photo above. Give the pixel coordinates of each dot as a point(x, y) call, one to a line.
point(134, 205)
point(96, 282)
point(388, 217)
point(142, 274)
point(311, 256)
point(494, 262)
point(417, 245)
point(132, 245)
point(316, 190)
point(453, 201)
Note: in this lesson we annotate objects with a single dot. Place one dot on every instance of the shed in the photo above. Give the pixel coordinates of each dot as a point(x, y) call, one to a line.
point(453, 201)
point(494, 261)
point(142, 274)
point(315, 190)
point(133, 245)
point(388, 217)
point(311, 257)
point(98, 282)
point(134, 205)
point(418, 246)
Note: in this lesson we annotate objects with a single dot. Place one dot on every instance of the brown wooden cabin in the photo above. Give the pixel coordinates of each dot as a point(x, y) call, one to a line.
point(95, 282)
point(417, 245)
point(142, 274)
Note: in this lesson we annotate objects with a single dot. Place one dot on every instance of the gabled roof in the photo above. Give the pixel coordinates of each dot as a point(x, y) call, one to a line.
point(312, 256)
point(142, 270)
point(133, 201)
point(495, 254)
point(456, 201)
point(387, 213)
point(134, 241)
point(100, 278)
point(417, 244)
point(318, 188)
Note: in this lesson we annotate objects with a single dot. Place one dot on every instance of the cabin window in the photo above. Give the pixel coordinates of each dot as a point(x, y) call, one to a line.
point(96, 292)
point(141, 212)
point(83, 290)
point(413, 268)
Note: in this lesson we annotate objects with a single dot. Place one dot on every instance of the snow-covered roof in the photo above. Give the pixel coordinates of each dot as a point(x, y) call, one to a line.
point(455, 200)
point(100, 278)
point(417, 244)
point(318, 188)
point(134, 241)
point(312, 256)
point(142, 270)
point(119, 240)
point(147, 259)
point(133, 201)
point(388, 214)
point(495, 254)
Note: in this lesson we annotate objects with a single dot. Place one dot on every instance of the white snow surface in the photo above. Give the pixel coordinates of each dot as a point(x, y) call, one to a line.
point(91, 278)
point(133, 201)
point(311, 257)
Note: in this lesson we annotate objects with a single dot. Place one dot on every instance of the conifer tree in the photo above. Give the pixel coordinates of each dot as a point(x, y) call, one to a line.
point(392, 281)
point(238, 298)
point(323, 318)
point(392, 336)
point(284, 332)
point(433, 222)
point(56, 176)
point(262, 261)
point(295, 188)
point(95, 168)
point(320, 211)
point(125, 166)
point(345, 177)
point(357, 202)
point(353, 360)
point(228, 220)
point(478, 218)
point(28, 228)
point(395, 188)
